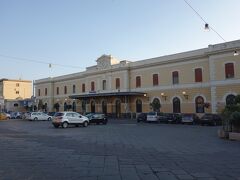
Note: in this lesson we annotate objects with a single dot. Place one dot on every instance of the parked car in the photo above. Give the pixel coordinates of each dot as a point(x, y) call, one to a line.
point(65, 119)
point(97, 118)
point(3, 116)
point(142, 117)
point(162, 118)
point(211, 119)
point(173, 117)
point(189, 118)
point(39, 116)
point(51, 114)
point(16, 115)
point(152, 117)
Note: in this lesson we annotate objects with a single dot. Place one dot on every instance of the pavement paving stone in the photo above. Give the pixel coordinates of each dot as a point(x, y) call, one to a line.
point(185, 177)
point(115, 177)
point(166, 176)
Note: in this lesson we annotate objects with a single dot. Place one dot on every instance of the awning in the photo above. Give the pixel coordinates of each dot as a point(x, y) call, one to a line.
point(107, 94)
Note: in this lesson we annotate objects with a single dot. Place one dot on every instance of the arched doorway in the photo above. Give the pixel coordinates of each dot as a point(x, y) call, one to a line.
point(93, 106)
point(176, 105)
point(138, 106)
point(199, 103)
point(74, 106)
point(230, 99)
point(83, 106)
point(45, 107)
point(118, 108)
point(65, 106)
point(104, 107)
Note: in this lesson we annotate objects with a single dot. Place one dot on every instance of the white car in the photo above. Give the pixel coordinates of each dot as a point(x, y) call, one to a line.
point(65, 119)
point(152, 117)
point(39, 116)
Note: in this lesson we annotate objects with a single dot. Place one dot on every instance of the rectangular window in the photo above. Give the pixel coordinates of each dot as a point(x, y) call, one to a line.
point(175, 77)
point(155, 79)
point(65, 89)
point(92, 86)
point(138, 82)
point(83, 88)
point(17, 92)
point(39, 92)
point(45, 91)
point(229, 70)
point(17, 84)
point(117, 83)
point(57, 90)
point(198, 75)
point(74, 89)
point(104, 84)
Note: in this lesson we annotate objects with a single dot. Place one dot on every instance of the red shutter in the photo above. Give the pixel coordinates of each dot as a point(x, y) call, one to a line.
point(198, 75)
point(155, 79)
point(83, 87)
point(92, 86)
point(138, 81)
point(229, 70)
point(117, 83)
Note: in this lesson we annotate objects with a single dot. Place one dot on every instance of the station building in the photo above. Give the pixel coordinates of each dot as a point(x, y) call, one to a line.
point(198, 81)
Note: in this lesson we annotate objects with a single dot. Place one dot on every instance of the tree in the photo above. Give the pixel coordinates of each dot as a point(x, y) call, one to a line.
point(155, 105)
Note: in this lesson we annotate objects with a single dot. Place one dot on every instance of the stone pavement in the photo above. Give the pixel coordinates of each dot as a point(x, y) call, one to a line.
point(116, 151)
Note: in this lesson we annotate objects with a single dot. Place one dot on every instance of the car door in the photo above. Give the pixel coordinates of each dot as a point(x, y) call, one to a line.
point(77, 118)
point(70, 118)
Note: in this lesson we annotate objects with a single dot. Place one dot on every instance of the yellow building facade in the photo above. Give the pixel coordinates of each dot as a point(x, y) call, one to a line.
point(11, 91)
point(199, 81)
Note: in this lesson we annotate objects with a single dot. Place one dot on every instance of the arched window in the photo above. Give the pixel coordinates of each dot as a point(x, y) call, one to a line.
point(92, 86)
point(230, 99)
point(65, 106)
point(138, 106)
point(229, 70)
point(176, 105)
point(199, 103)
point(74, 106)
point(93, 106)
point(74, 89)
point(138, 81)
point(104, 107)
point(175, 79)
point(65, 89)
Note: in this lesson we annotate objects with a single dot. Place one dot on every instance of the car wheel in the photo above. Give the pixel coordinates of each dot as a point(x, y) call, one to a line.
point(65, 125)
point(85, 124)
point(76, 125)
point(49, 119)
point(35, 119)
point(56, 126)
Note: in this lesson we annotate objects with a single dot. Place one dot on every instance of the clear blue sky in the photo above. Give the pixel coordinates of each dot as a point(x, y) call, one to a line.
point(77, 32)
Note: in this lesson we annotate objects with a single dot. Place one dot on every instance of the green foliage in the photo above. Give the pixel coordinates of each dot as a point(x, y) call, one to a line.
point(56, 106)
point(155, 105)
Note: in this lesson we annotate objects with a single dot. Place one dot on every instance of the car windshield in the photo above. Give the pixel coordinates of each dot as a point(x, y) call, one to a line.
point(59, 114)
point(152, 113)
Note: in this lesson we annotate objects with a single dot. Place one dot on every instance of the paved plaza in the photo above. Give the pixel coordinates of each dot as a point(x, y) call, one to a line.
point(120, 150)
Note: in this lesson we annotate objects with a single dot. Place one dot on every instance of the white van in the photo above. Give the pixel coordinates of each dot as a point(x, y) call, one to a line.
point(152, 117)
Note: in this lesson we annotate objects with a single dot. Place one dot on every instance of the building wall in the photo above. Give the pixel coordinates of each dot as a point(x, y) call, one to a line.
point(214, 87)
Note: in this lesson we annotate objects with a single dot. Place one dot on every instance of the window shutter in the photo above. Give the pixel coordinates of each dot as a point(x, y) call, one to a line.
point(198, 75)
point(229, 70)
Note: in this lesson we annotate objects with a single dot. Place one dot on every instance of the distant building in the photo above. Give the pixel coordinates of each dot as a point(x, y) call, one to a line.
point(14, 93)
point(199, 81)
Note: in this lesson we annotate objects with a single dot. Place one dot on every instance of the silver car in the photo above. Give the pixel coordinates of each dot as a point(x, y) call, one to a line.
point(39, 116)
point(65, 119)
